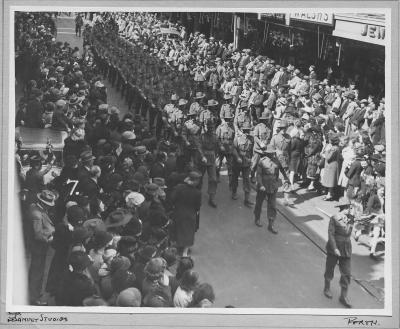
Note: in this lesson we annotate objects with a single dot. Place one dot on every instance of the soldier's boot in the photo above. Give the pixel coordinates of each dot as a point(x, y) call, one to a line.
point(343, 298)
point(257, 221)
point(247, 201)
point(271, 227)
point(327, 289)
point(211, 201)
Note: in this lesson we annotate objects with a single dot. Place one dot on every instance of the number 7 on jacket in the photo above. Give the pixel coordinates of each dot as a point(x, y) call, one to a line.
point(69, 181)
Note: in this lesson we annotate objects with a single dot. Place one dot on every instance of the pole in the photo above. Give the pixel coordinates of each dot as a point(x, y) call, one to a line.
point(318, 43)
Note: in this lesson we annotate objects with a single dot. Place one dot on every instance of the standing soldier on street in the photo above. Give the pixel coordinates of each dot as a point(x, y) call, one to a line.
point(225, 136)
point(197, 106)
point(208, 151)
point(262, 135)
point(339, 251)
point(242, 153)
point(268, 181)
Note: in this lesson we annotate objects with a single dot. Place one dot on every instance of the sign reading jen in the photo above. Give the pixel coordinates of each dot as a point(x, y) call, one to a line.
point(319, 17)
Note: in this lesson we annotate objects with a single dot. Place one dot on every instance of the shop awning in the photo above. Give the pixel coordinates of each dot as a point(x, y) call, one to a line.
point(368, 28)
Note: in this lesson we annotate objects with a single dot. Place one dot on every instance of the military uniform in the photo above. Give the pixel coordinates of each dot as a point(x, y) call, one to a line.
point(268, 182)
point(242, 153)
point(241, 118)
point(281, 143)
point(191, 135)
point(205, 117)
point(339, 242)
point(208, 150)
point(226, 109)
point(196, 107)
point(262, 135)
point(225, 135)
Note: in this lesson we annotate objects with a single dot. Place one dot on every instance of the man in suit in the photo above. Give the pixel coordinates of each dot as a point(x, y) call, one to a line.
point(34, 110)
point(158, 169)
point(339, 251)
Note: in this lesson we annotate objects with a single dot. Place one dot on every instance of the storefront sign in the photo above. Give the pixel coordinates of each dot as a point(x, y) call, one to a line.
point(366, 32)
point(319, 17)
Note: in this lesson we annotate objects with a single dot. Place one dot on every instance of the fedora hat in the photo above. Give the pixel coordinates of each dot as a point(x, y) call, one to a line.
point(227, 96)
point(211, 102)
point(160, 182)
point(199, 95)
point(140, 149)
point(118, 217)
point(94, 225)
point(87, 156)
point(151, 188)
point(246, 126)
point(73, 100)
point(228, 115)
point(47, 197)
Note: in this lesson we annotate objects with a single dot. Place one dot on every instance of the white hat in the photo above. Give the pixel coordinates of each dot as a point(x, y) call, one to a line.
point(134, 199)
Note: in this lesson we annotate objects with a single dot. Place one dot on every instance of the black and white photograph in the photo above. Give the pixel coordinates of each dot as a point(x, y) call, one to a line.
point(200, 159)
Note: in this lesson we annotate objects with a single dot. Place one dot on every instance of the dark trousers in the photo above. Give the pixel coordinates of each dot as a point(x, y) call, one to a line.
point(344, 268)
point(229, 162)
point(271, 205)
point(36, 270)
point(236, 170)
point(212, 178)
point(78, 30)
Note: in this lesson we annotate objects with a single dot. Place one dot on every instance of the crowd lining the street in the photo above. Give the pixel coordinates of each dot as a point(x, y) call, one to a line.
point(122, 234)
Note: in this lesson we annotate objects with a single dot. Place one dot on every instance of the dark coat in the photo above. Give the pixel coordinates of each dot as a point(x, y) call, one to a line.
point(72, 147)
point(34, 112)
point(339, 233)
point(157, 170)
point(74, 289)
point(354, 174)
point(296, 153)
point(187, 201)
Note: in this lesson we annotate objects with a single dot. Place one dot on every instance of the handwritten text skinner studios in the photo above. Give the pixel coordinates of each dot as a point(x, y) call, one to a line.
point(17, 317)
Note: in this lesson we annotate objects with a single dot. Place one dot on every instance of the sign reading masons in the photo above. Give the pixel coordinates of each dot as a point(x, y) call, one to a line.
point(361, 28)
point(317, 17)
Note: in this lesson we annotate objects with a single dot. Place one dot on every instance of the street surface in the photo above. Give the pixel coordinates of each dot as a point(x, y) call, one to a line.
point(250, 267)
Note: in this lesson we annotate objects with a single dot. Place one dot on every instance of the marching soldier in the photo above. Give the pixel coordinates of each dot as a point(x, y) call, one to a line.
point(242, 153)
point(197, 106)
point(208, 115)
point(262, 135)
point(227, 107)
point(339, 251)
point(242, 116)
point(225, 136)
point(268, 181)
point(208, 150)
point(191, 136)
point(281, 143)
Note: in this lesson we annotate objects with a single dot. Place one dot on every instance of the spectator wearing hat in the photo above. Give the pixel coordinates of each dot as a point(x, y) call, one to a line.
point(330, 174)
point(350, 109)
point(158, 169)
point(144, 254)
point(268, 181)
point(34, 179)
point(98, 244)
point(186, 198)
point(76, 284)
point(242, 116)
point(41, 238)
point(312, 150)
point(60, 120)
point(354, 173)
point(348, 156)
point(35, 110)
point(86, 160)
point(62, 241)
point(75, 144)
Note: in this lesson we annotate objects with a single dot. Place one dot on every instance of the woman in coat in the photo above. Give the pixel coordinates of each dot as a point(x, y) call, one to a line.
point(313, 148)
point(331, 167)
point(296, 154)
point(348, 156)
point(186, 200)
